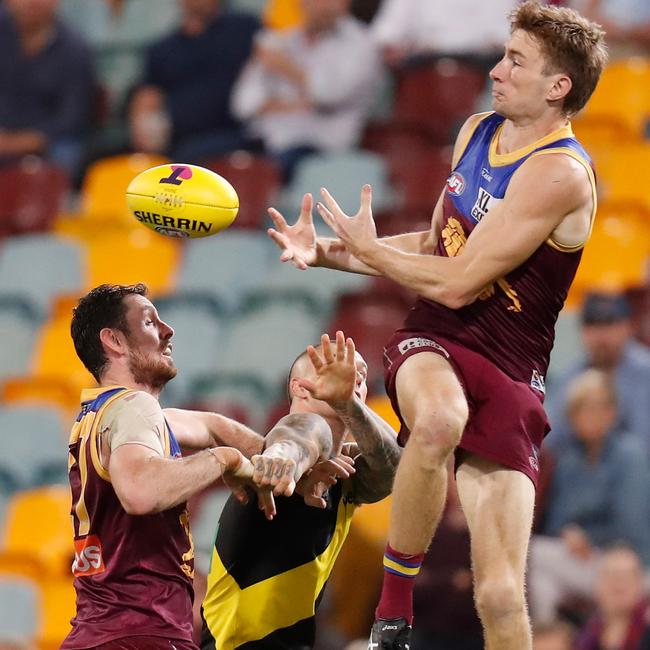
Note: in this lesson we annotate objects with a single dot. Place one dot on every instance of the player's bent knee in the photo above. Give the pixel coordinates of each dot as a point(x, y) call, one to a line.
point(436, 440)
point(499, 598)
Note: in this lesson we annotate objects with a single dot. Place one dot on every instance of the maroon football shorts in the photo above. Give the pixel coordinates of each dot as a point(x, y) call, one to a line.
point(507, 422)
point(146, 643)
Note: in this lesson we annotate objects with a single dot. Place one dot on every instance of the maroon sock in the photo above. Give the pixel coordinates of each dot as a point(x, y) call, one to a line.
point(400, 570)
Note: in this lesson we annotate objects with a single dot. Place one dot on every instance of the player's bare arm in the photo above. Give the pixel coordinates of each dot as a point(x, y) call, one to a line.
point(335, 381)
point(544, 191)
point(146, 482)
point(200, 430)
point(301, 247)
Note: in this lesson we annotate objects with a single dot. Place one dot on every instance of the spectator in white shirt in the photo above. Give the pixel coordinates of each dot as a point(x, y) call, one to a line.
point(310, 89)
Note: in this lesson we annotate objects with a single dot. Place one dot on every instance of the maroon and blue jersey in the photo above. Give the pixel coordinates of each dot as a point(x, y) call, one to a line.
point(512, 322)
point(132, 574)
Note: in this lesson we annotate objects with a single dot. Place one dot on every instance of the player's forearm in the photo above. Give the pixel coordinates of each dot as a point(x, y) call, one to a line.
point(442, 279)
point(158, 484)
point(230, 433)
point(333, 254)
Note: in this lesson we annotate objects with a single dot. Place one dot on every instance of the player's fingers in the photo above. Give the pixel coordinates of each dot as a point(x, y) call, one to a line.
point(306, 207)
point(315, 502)
point(340, 346)
point(329, 219)
point(307, 384)
point(278, 220)
point(241, 495)
point(331, 203)
point(350, 349)
point(314, 357)
point(366, 198)
point(266, 503)
point(281, 240)
point(326, 347)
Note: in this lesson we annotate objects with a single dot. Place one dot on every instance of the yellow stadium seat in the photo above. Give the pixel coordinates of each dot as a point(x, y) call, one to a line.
point(41, 390)
point(616, 255)
point(57, 608)
point(37, 537)
point(621, 101)
point(283, 14)
point(137, 256)
point(381, 405)
point(104, 187)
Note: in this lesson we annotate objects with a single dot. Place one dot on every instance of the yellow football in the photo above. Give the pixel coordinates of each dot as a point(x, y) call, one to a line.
point(180, 200)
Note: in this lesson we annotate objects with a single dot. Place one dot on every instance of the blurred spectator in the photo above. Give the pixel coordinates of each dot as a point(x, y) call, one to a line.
point(443, 600)
point(118, 31)
point(182, 106)
point(46, 84)
point(598, 496)
point(607, 338)
point(310, 89)
point(622, 604)
point(554, 636)
point(408, 28)
point(627, 23)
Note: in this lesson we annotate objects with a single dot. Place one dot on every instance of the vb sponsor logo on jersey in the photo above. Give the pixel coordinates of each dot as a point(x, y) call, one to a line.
point(456, 184)
point(88, 557)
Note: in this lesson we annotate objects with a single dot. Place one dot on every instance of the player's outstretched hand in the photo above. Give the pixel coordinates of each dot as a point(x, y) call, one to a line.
point(336, 371)
point(274, 472)
point(355, 232)
point(297, 242)
point(322, 476)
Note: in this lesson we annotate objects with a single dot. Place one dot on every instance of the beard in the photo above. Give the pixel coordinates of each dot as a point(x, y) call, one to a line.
point(151, 370)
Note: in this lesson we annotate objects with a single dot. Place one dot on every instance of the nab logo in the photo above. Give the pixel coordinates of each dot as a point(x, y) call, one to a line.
point(456, 184)
point(88, 559)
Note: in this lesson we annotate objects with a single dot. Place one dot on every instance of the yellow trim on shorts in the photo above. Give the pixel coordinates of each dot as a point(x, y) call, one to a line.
point(236, 616)
point(501, 159)
point(594, 194)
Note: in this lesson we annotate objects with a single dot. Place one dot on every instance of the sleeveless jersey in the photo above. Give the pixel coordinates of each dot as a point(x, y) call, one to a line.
point(132, 574)
point(266, 577)
point(512, 323)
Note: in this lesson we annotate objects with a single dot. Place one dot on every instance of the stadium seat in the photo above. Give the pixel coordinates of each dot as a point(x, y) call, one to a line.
point(41, 391)
point(257, 182)
point(17, 332)
point(615, 257)
point(43, 550)
point(19, 612)
point(244, 397)
point(38, 268)
point(58, 604)
point(35, 442)
point(381, 405)
point(567, 348)
point(265, 339)
point(227, 265)
point(196, 341)
point(104, 186)
point(135, 256)
point(621, 101)
point(437, 97)
point(343, 175)
point(370, 319)
point(32, 191)
point(623, 175)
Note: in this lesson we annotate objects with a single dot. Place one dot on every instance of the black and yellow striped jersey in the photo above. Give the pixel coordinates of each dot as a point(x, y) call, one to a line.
point(267, 577)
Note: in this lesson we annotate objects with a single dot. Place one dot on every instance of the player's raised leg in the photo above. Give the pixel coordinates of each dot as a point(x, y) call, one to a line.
point(434, 408)
point(498, 503)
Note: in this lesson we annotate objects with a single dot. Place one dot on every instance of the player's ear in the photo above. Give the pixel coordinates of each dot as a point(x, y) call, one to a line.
point(561, 88)
point(112, 340)
point(296, 390)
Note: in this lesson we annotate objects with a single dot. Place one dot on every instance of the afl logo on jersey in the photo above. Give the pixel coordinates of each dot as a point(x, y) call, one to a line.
point(456, 184)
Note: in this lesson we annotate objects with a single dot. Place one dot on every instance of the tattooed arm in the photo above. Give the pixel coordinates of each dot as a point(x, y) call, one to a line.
point(292, 447)
point(380, 453)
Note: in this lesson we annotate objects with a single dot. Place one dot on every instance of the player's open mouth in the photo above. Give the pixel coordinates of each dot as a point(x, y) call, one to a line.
point(167, 352)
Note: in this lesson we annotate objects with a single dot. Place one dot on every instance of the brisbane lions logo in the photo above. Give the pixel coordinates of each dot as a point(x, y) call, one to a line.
point(456, 184)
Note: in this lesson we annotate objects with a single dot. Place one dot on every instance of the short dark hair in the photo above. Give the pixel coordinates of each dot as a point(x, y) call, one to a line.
point(569, 43)
point(102, 307)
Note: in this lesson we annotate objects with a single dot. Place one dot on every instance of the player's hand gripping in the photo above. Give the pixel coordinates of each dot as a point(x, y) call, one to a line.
point(322, 476)
point(355, 232)
point(336, 371)
point(297, 242)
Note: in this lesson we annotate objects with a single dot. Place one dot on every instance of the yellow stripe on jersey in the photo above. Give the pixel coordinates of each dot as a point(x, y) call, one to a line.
point(236, 616)
point(594, 193)
point(500, 159)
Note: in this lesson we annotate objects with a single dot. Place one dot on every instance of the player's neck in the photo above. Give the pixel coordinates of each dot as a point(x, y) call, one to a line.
point(122, 377)
point(517, 134)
